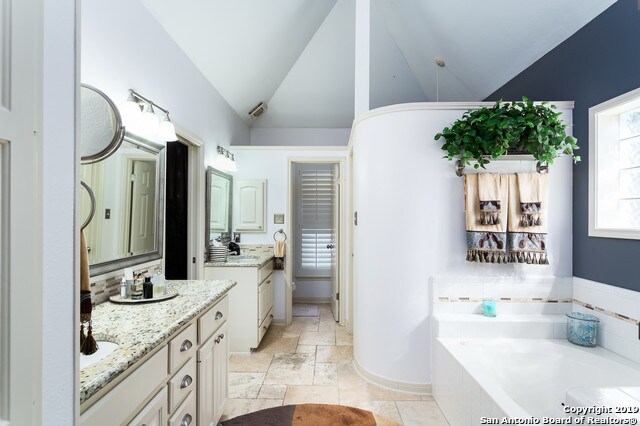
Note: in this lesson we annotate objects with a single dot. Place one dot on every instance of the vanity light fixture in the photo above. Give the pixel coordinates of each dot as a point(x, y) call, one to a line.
point(224, 160)
point(147, 122)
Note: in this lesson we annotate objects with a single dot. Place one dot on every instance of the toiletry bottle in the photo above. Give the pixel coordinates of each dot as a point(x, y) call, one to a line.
point(128, 275)
point(123, 288)
point(158, 285)
point(147, 288)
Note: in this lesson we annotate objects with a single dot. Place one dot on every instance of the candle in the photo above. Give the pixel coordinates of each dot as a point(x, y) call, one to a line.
point(489, 308)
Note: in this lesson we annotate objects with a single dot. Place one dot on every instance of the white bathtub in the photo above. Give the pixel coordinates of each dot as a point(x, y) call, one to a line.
point(523, 378)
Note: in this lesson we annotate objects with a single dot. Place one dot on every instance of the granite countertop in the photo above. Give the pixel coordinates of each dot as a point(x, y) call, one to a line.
point(262, 258)
point(139, 328)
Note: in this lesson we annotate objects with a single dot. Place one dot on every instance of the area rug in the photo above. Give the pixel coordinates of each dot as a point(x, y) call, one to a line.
point(310, 415)
point(304, 310)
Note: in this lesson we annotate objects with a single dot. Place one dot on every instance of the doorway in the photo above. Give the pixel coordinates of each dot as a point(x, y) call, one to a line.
point(184, 217)
point(314, 269)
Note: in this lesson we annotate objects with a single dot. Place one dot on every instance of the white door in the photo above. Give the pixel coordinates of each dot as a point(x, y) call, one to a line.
point(20, 214)
point(335, 246)
point(143, 204)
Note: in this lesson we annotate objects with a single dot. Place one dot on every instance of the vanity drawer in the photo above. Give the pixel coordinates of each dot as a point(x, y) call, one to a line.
point(128, 395)
point(185, 415)
point(182, 347)
point(265, 298)
point(182, 383)
point(212, 319)
point(265, 271)
point(262, 329)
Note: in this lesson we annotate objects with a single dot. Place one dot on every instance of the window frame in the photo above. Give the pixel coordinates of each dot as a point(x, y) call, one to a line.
point(299, 271)
point(594, 173)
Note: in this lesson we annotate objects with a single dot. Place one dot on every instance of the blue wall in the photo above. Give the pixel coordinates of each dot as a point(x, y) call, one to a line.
point(597, 63)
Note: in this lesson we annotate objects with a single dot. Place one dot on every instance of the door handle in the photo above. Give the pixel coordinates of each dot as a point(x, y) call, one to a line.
point(330, 246)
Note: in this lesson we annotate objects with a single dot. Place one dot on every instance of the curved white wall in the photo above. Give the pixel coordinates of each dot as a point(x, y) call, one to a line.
point(411, 227)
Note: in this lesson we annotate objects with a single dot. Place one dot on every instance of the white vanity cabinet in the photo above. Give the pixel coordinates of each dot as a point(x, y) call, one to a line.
point(213, 377)
point(250, 205)
point(184, 382)
point(250, 303)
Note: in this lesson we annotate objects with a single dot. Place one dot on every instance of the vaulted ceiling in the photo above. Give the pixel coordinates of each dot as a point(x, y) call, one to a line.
point(297, 56)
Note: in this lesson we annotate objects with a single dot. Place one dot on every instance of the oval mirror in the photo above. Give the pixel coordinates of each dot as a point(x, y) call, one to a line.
point(101, 129)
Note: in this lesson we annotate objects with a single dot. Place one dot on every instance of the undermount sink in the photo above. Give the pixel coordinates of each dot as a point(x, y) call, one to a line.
point(105, 348)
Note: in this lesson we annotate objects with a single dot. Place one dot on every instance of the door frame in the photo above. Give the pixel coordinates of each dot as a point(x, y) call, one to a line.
point(195, 205)
point(342, 214)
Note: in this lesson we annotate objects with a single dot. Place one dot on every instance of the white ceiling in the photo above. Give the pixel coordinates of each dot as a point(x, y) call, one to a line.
point(298, 55)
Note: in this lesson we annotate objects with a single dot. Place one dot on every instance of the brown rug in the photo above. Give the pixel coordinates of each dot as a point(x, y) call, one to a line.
point(310, 415)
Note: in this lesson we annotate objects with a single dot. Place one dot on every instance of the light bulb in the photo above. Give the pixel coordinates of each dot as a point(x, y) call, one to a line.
point(166, 130)
point(131, 112)
point(220, 162)
point(233, 167)
point(149, 122)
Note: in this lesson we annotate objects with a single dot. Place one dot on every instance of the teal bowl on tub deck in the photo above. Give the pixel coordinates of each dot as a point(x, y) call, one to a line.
point(582, 329)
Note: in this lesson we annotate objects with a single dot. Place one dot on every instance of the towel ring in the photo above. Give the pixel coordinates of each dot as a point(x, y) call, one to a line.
point(93, 205)
point(279, 231)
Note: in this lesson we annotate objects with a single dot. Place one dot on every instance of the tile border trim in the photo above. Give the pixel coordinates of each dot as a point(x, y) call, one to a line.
point(615, 315)
point(412, 388)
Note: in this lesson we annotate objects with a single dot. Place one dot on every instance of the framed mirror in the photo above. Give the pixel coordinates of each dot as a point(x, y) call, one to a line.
point(101, 129)
point(128, 226)
point(218, 204)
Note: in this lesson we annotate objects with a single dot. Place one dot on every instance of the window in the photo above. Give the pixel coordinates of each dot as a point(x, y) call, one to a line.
point(314, 219)
point(614, 167)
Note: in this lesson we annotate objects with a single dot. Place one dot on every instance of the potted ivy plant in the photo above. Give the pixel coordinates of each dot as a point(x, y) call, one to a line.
point(508, 127)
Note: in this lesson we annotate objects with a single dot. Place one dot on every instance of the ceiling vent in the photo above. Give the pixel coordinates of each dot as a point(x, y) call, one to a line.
point(258, 110)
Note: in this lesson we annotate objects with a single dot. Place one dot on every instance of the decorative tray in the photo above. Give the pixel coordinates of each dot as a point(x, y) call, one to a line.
point(171, 293)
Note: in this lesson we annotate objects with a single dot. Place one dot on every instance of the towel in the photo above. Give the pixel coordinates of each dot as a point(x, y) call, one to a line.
point(278, 253)
point(532, 187)
point(485, 242)
point(88, 344)
point(527, 238)
point(489, 194)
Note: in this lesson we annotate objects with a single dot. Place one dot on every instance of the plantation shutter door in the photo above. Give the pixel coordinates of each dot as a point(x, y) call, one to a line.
point(315, 213)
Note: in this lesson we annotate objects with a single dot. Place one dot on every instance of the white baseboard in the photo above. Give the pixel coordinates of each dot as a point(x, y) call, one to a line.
point(414, 388)
point(312, 300)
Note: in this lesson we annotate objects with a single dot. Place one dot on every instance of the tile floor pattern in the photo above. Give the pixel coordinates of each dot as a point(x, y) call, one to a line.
point(311, 361)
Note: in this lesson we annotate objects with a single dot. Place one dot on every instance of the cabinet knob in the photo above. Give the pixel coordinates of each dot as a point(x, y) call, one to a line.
point(271, 315)
point(186, 381)
point(217, 340)
point(186, 420)
point(186, 345)
point(219, 315)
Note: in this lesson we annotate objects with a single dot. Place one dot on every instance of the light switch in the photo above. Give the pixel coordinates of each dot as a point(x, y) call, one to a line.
point(107, 213)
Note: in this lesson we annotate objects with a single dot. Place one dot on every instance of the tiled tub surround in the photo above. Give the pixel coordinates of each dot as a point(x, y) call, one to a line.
point(480, 363)
point(519, 378)
point(140, 328)
point(513, 295)
point(617, 309)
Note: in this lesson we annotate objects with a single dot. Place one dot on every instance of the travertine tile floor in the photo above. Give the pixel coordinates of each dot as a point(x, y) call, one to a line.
point(311, 361)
